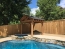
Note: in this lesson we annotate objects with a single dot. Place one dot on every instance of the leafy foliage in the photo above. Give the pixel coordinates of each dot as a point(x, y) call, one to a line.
point(26, 10)
point(11, 10)
point(38, 13)
point(31, 14)
point(49, 10)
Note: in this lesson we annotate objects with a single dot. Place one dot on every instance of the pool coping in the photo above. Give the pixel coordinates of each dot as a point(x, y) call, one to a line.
point(55, 39)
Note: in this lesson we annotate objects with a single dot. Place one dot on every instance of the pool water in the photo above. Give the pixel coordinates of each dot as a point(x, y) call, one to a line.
point(28, 44)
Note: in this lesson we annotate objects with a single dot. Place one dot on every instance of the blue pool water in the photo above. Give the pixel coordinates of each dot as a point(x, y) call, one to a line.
point(28, 44)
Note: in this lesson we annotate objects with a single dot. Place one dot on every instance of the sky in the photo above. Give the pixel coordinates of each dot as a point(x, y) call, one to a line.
point(34, 6)
point(62, 3)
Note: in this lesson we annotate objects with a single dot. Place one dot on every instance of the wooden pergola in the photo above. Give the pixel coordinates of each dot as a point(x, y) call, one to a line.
point(32, 20)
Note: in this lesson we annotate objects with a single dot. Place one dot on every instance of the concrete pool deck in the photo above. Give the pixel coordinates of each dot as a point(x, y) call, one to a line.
point(5, 39)
point(51, 36)
point(46, 36)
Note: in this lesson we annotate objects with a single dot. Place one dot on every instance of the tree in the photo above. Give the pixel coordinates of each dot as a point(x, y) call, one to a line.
point(26, 10)
point(31, 14)
point(38, 14)
point(49, 9)
point(11, 10)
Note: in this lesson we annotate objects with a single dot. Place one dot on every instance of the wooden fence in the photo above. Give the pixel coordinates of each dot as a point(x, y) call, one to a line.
point(54, 27)
point(49, 27)
point(9, 30)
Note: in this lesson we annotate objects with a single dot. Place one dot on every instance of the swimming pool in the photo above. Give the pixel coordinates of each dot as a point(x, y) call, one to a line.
point(28, 44)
